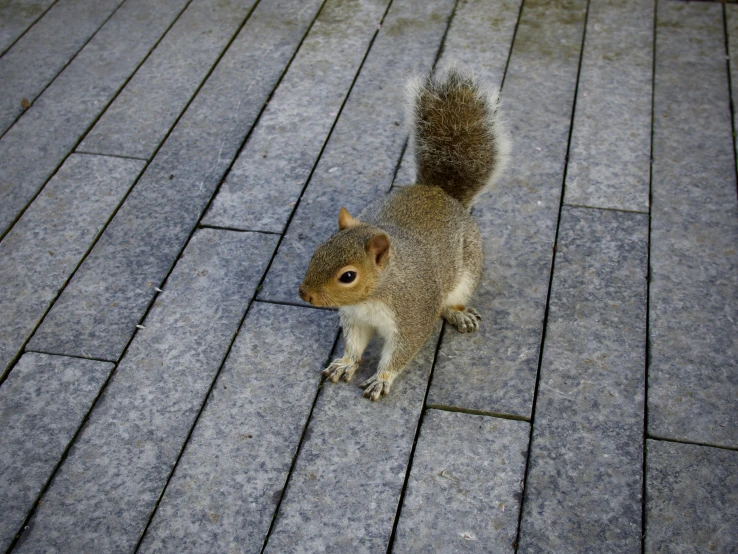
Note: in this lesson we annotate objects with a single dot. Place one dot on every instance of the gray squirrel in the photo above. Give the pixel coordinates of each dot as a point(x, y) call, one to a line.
point(416, 255)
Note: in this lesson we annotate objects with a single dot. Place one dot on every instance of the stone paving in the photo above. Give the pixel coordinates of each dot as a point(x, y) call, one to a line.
point(167, 168)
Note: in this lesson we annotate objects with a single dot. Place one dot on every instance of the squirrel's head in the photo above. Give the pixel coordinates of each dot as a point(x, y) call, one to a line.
point(346, 268)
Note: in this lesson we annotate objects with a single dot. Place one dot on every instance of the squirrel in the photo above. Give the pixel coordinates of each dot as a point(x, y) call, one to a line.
point(415, 256)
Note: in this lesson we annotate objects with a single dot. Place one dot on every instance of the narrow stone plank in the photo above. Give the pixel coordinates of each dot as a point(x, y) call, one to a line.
point(691, 498)
point(343, 492)
point(693, 371)
point(584, 486)
point(98, 311)
point(17, 16)
point(266, 180)
point(34, 61)
point(609, 158)
point(247, 435)
point(146, 109)
point(42, 404)
point(42, 250)
point(102, 495)
point(495, 369)
point(479, 39)
point(359, 160)
point(731, 24)
point(465, 485)
point(35, 146)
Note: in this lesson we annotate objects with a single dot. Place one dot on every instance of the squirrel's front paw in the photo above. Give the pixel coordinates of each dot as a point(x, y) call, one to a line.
point(375, 387)
point(342, 368)
point(465, 321)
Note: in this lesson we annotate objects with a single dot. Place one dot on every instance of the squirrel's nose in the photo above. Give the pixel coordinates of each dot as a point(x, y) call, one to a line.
point(304, 295)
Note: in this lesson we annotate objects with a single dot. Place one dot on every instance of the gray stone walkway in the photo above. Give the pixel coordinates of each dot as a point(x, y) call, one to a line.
point(167, 168)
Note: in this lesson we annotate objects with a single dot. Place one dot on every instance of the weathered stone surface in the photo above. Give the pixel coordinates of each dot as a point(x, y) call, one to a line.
point(42, 404)
point(33, 62)
point(584, 486)
point(148, 106)
point(103, 494)
point(731, 24)
point(42, 250)
point(343, 492)
point(609, 158)
point(16, 17)
point(464, 490)
point(359, 159)
point(693, 372)
point(691, 498)
point(494, 370)
point(37, 144)
point(98, 311)
point(479, 39)
point(266, 180)
point(226, 487)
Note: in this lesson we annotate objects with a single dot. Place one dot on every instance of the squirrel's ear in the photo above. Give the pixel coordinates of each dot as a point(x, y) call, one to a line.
point(345, 221)
point(378, 245)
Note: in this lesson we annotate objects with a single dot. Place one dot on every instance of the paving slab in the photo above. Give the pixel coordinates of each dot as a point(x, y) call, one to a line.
point(731, 27)
point(42, 250)
point(494, 370)
point(98, 311)
point(691, 498)
point(33, 62)
point(103, 494)
point(693, 370)
point(16, 17)
point(609, 156)
point(142, 114)
point(464, 490)
point(584, 487)
point(42, 404)
point(345, 487)
point(359, 160)
point(267, 178)
point(47, 132)
point(226, 487)
point(479, 39)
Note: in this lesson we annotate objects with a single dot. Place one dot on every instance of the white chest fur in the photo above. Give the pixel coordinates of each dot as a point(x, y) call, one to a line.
point(371, 314)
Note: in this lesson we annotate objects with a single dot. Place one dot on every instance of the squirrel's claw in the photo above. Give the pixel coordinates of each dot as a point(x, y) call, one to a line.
point(466, 321)
point(375, 388)
point(340, 369)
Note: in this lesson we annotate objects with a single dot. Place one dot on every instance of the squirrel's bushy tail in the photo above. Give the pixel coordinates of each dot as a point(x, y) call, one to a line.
point(460, 144)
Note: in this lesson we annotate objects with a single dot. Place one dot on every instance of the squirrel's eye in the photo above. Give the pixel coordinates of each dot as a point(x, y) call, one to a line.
point(347, 277)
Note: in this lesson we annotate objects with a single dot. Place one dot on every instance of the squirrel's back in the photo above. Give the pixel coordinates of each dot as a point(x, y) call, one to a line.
point(460, 144)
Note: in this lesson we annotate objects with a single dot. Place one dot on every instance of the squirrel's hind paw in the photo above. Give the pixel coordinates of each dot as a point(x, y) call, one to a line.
point(342, 368)
point(375, 387)
point(465, 321)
